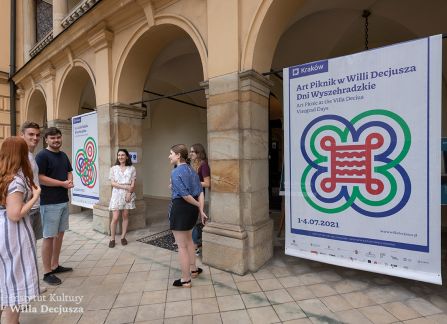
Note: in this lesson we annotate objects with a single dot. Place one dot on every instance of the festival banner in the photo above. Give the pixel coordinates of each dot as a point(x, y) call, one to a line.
point(85, 160)
point(363, 160)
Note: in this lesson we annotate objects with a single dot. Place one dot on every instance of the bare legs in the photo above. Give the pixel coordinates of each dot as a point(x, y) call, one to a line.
point(57, 245)
point(116, 214)
point(125, 215)
point(186, 253)
point(47, 252)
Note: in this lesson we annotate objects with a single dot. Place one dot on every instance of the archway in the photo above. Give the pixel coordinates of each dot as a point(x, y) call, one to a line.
point(164, 60)
point(76, 94)
point(308, 31)
point(37, 108)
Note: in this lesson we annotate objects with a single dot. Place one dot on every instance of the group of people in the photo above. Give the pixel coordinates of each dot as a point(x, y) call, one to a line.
point(33, 206)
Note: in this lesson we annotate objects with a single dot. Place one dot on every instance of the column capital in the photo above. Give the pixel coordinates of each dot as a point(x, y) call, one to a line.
point(62, 124)
point(48, 72)
point(20, 92)
point(123, 110)
point(100, 38)
point(206, 86)
point(251, 80)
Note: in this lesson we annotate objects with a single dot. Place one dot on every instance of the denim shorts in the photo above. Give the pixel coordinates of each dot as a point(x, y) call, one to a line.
point(54, 219)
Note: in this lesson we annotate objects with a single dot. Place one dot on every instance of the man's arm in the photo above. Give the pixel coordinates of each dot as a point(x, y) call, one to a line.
point(50, 182)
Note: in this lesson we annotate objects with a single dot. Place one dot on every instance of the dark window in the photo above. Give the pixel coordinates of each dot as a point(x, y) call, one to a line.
point(44, 19)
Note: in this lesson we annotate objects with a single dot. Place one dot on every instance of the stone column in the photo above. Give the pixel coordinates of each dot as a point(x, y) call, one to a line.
point(29, 28)
point(60, 11)
point(65, 128)
point(120, 126)
point(239, 236)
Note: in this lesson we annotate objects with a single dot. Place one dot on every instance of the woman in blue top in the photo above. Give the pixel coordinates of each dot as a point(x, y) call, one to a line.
point(187, 203)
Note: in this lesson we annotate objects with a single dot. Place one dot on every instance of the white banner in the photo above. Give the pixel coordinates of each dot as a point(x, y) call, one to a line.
point(362, 160)
point(85, 160)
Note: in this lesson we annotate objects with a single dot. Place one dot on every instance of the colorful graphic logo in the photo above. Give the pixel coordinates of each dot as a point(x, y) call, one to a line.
point(356, 164)
point(85, 163)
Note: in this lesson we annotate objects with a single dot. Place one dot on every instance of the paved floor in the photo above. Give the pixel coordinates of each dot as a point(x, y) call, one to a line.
point(134, 284)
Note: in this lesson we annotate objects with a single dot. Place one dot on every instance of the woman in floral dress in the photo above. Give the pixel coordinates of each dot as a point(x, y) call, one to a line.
point(122, 176)
point(19, 279)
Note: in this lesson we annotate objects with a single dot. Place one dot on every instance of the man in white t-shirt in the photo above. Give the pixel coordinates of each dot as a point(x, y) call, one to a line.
point(30, 132)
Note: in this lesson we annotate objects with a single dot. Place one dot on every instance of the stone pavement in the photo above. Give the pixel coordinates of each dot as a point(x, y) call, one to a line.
point(133, 284)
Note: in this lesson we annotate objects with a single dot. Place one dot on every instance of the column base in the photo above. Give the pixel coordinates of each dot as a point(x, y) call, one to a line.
point(260, 244)
point(231, 248)
point(225, 247)
point(102, 217)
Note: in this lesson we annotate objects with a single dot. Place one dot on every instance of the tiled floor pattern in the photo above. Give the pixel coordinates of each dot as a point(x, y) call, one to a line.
point(134, 284)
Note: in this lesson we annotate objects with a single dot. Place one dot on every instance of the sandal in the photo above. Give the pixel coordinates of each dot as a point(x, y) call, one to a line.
point(180, 283)
point(123, 241)
point(195, 274)
point(112, 244)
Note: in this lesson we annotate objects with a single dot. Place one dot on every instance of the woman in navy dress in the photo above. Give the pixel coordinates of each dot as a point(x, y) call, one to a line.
point(187, 203)
point(19, 280)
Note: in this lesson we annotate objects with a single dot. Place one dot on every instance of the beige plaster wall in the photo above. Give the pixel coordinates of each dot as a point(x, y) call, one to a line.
point(168, 123)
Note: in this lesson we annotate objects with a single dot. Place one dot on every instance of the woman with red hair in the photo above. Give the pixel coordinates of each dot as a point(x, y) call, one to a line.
point(19, 280)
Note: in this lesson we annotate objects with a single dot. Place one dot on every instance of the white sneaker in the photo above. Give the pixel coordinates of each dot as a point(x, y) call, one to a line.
point(198, 252)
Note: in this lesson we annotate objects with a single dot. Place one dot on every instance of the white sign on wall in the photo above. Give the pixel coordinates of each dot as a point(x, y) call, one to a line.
point(85, 160)
point(133, 157)
point(362, 160)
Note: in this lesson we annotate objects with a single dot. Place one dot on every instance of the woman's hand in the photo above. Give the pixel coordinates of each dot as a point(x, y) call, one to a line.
point(203, 217)
point(36, 191)
point(128, 197)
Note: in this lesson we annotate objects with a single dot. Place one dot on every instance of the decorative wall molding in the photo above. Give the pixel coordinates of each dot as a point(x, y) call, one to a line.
point(78, 12)
point(41, 44)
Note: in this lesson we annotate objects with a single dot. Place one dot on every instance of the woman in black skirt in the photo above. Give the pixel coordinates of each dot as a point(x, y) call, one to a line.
point(187, 203)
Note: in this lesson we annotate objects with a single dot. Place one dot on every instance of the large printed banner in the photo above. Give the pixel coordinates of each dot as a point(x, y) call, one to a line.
point(85, 160)
point(362, 160)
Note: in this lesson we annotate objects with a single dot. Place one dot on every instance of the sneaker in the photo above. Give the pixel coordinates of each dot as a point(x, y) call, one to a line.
point(51, 279)
point(180, 283)
point(61, 269)
point(198, 252)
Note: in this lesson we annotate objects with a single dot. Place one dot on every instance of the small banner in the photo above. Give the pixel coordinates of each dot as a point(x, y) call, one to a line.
point(85, 160)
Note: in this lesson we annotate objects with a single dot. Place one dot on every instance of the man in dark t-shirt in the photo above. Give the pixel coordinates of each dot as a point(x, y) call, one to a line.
point(55, 178)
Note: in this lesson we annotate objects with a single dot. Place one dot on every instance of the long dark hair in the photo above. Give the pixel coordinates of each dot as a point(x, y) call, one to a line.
point(128, 159)
point(200, 151)
point(13, 157)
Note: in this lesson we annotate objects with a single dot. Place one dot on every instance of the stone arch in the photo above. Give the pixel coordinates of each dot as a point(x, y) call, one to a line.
point(76, 78)
point(192, 32)
point(272, 18)
point(36, 106)
point(135, 61)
